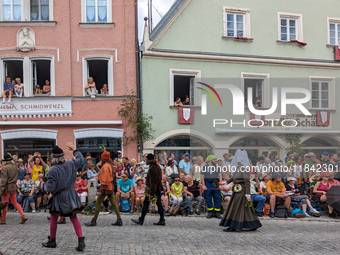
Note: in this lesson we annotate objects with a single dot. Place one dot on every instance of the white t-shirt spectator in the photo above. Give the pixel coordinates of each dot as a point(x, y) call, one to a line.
point(169, 171)
point(230, 192)
point(226, 163)
point(297, 171)
point(258, 167)
point(262, 185)
point(37, 183)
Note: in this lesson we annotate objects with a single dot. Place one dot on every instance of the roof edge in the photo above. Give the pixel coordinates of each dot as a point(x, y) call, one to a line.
point(174, 9)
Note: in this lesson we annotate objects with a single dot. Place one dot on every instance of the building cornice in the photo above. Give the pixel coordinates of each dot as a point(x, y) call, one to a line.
point(240, 59)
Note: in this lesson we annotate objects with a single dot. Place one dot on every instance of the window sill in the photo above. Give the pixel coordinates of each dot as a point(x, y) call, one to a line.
point(237, 39)
point(27, 23)
point(99, 98)
point(189, 106)
point(316, 110)
point(96, 25)
point(290, 43)
point(332, 45)
point(42, 95)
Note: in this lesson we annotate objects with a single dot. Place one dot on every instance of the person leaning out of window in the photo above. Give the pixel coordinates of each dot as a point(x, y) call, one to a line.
point(18, 88)
point(37, 90)
point(186, 100)
point(104, 90)
point(46, 88)
point(178, 102)
point(90, 88)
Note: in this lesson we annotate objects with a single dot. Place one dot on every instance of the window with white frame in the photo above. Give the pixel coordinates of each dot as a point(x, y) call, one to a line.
point(182, 86)
point(34, 78)
point(290, 27)
point(236, 26)
point(11, 10)
point(39, 9)
point(184, 89)
point(96, 10)
point(236, 22)
point(100, 68)
point(334, 33)
point(321, 94)
point(259, 83)
point(41, 77)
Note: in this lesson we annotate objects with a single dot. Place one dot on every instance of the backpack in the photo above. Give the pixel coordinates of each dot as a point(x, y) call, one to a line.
point(183, 210)
point(174, 209)
point(281, 211)
point(125, 205)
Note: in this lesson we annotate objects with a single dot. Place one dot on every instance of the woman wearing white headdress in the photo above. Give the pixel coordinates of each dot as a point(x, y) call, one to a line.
point(240, 213)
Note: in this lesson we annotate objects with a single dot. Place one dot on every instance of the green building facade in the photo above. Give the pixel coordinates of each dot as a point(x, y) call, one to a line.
point(259, 44)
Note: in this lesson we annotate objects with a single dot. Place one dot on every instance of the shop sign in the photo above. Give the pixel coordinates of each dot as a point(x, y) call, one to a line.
point(36, 107)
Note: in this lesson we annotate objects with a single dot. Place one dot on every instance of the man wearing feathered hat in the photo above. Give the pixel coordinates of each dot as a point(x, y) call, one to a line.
point(8, 187)
point(105, 177)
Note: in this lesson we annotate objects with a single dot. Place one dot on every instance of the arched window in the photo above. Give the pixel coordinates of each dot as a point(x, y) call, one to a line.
point(319, 142)
point(252, 142)
point(182, 144)
point(182, 141)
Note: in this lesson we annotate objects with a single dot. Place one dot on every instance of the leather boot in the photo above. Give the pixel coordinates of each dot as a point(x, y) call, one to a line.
point(91, 224)
point(81, 244)
point(138, 221)
point(23, 219)
point(160, 223)
point(119, 222)
point(50, 244)
point(210, 215)
point(217, 215)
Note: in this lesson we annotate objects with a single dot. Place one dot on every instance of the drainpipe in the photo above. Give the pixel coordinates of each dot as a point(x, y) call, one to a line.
point(138, 69)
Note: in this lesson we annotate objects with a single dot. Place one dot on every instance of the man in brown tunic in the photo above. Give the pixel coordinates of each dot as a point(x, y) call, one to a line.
point(8, 187)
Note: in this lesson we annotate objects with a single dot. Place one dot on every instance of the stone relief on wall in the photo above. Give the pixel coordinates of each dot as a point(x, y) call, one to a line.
point(25, 39)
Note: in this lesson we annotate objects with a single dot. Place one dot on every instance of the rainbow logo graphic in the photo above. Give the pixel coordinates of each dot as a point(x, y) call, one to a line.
point(209, 93)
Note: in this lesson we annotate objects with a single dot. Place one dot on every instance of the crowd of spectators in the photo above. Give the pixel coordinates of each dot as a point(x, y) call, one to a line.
point(296, 182)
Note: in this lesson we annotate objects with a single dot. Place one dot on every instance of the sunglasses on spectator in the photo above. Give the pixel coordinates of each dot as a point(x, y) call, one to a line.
point(176, 180)
point(124, 176)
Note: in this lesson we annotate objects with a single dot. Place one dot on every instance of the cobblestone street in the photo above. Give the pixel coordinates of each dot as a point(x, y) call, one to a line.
point(182, 235)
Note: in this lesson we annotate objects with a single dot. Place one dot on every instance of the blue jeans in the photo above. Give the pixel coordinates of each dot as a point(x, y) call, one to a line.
point(260, 201)
point(21, 198)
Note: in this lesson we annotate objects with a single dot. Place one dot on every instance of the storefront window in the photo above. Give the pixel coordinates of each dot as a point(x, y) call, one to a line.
point(23, 147)
point(91, 145)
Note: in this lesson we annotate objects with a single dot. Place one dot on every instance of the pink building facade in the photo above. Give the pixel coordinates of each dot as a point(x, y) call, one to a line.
point(66, 42)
